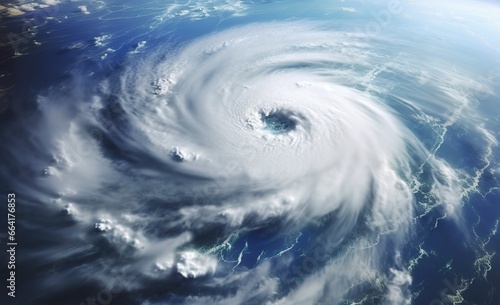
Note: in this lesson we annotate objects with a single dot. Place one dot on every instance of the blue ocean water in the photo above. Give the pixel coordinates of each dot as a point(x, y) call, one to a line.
point(79, 239)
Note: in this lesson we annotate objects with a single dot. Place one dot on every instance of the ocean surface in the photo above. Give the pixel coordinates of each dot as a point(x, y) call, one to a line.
point(251, 152)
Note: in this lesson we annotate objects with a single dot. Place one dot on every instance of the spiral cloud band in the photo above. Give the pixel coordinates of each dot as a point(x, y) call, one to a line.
point(178, 162)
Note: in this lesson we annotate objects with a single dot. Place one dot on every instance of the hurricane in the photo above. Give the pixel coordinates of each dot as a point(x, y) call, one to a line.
point(277, 162)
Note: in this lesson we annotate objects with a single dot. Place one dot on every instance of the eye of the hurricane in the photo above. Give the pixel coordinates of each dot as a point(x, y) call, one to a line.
point(278, 122)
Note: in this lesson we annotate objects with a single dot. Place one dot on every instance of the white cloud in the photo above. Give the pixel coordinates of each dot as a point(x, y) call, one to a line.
point(192, 264)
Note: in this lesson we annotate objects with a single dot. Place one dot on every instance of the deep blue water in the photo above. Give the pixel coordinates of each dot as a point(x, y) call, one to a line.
point(455, 255)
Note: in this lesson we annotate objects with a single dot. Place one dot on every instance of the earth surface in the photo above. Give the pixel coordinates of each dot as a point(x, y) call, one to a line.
point(251, 152)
